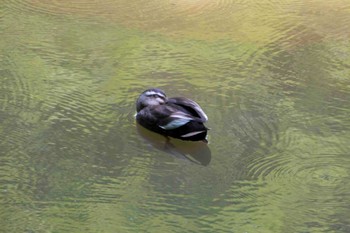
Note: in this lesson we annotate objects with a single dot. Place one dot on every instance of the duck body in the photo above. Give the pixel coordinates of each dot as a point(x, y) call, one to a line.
point(176, 117)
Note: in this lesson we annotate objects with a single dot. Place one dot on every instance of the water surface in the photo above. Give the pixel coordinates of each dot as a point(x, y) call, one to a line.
point(273, 78)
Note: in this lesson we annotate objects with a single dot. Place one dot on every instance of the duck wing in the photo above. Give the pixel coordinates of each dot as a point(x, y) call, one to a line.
point(171, 116)
point(190, 106)
point(172, 120)
point(166, 117)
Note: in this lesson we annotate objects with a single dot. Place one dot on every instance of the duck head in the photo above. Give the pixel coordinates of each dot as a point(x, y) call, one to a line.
point(150, 97)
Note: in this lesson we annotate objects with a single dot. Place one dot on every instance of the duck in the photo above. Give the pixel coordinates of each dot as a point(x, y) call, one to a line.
point(176, 117)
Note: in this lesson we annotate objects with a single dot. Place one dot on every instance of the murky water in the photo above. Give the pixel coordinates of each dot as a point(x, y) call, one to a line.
point(273, 78)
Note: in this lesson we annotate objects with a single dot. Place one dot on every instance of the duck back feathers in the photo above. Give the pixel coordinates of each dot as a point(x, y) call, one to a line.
point(177, 117)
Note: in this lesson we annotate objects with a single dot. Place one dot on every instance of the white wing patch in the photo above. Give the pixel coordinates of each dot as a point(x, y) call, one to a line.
point(192, 134)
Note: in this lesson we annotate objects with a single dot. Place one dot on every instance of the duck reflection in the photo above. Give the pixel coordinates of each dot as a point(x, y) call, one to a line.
point(197, 152)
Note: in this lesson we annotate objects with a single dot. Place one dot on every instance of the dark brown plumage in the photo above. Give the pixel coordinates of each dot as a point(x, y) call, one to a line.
point(177, 117)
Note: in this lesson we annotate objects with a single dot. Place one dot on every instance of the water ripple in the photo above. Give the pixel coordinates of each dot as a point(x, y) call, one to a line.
point(19, 88)
point(74, 112)
point(55, 7)
point(322, 172)
point(205, 18)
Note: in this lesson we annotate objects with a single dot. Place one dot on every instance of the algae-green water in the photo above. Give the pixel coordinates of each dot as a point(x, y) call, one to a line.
point(272, 76)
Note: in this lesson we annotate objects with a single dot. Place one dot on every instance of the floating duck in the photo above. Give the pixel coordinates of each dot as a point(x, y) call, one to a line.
point(176, 117)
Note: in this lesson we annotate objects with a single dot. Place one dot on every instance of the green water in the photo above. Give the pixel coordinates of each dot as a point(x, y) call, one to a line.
point(273, 78)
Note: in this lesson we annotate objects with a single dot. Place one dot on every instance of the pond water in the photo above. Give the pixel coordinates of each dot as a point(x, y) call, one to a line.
point(272, 76)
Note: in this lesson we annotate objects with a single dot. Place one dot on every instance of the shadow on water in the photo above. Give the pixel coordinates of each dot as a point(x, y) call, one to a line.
point(195, 152)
